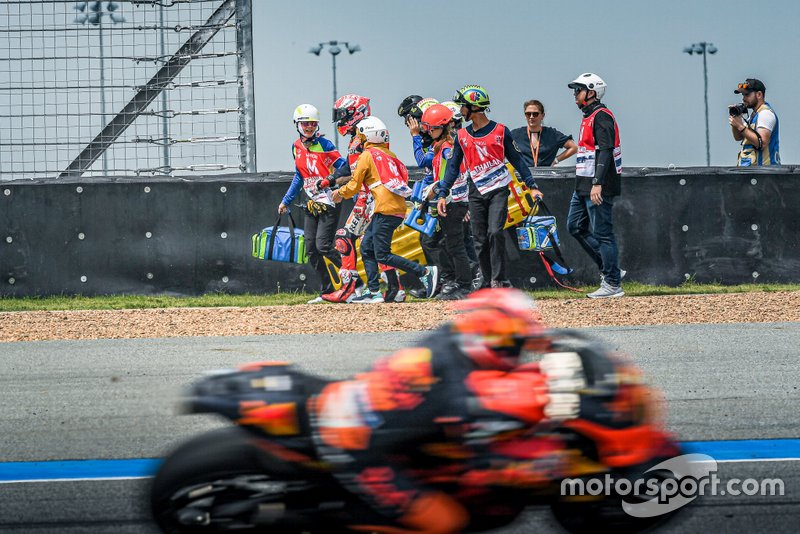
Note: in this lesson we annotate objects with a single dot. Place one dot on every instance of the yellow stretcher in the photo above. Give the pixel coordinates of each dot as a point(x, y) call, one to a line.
point(520, 202)
point(405, 241)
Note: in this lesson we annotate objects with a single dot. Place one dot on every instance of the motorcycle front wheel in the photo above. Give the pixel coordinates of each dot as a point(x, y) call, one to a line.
point(218, 482)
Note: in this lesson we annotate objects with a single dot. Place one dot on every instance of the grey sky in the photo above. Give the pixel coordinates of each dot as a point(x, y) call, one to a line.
point(521, 49)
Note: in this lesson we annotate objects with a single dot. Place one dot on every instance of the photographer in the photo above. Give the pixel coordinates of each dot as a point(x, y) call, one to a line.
point(759, 134)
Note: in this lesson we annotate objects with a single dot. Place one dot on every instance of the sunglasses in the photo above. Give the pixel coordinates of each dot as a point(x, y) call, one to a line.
point(578, 90)
point(425, 127)
point(744, 88)
point(532, 114)
point(308, 124)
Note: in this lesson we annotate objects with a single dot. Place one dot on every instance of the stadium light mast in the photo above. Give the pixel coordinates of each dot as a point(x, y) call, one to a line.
point(92, 13)
point(335, 49)
point(704, 49)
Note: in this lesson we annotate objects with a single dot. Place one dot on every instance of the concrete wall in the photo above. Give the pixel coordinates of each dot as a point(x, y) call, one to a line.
point(171, 236)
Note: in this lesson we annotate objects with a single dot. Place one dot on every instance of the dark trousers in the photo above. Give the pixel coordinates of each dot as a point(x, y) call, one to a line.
point(376, 247)
point(320, 232)
point(593, 227)
point(453, 257)
point(469, 241)
point(433, 248)
point(488, 217)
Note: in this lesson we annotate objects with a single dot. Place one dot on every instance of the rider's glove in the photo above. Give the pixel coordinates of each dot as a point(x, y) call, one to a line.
point(324, 183)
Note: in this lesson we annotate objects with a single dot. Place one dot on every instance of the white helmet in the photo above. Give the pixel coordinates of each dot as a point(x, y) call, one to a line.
point(458, 118)
point(591, 81)
point(455, 108)
point(374, 130)
point(305, 113)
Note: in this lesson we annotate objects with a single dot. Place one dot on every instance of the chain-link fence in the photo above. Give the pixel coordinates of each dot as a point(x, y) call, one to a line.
point(132, 87)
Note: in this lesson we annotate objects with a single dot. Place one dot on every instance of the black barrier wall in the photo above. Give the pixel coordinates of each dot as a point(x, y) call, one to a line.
point(170, 236)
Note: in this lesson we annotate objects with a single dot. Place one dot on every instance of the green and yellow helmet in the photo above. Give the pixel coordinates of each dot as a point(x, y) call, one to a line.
point(472, 95)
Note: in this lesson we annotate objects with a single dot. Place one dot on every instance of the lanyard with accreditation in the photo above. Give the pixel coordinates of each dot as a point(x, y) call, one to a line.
point(534, 150)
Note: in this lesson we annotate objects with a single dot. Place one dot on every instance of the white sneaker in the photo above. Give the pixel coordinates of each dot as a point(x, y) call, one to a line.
point(360, 289)
point(316, 300)
point(606, 291)
point(367, 297)
point(430, 280)
point(622, 273)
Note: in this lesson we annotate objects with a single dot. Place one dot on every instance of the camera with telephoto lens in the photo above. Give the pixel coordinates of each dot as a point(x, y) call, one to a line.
point(737, 109)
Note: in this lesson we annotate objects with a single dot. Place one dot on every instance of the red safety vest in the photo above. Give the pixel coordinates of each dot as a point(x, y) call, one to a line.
point(484, 159)
point(587, 148)
point(312, 167)
point(393, 174)
point(438, 169)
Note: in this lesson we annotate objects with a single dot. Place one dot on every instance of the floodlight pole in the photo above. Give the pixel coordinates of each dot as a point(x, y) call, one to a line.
point(704, 48)
point(335, 50)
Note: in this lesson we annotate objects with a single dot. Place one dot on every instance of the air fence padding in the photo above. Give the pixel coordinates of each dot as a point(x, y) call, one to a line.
point(169, 236)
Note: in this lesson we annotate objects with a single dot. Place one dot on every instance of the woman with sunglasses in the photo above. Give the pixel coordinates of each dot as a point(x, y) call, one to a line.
point(539, 145)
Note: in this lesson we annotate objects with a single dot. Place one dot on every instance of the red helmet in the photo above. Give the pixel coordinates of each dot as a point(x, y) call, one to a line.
point(436, 116)
point(496, 324)
point(349, 110)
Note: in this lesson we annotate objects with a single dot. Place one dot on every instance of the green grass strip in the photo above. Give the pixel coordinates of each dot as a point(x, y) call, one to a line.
point(126, 302)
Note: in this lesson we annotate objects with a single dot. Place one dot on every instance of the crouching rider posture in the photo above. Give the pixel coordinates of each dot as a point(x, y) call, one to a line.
point(374, 428)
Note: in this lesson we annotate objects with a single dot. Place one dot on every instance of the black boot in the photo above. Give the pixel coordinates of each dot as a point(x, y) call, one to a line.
point(393, 283)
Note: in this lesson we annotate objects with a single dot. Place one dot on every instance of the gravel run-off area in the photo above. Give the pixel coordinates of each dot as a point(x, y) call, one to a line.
point(421, 315)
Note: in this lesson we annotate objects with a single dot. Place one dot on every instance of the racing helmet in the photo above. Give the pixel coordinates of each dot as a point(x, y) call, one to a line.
point(590, 81)
point(496, 324)
point(349, 110)
point(374, 130)
point(305, 113)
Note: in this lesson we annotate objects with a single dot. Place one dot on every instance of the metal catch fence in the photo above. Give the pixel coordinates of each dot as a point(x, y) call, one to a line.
point(125, 88)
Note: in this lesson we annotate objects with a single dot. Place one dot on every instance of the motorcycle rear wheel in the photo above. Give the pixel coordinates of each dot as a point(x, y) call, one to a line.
point(200, 487)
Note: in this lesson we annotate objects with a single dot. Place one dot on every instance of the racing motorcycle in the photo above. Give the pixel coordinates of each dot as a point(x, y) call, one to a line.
point(265, 473)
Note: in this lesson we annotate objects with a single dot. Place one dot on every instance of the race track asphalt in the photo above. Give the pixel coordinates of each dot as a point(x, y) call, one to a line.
point(115, 399)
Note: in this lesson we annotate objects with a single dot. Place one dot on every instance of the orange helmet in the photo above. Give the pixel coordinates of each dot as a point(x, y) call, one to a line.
point(496, 324)
point(436, 116)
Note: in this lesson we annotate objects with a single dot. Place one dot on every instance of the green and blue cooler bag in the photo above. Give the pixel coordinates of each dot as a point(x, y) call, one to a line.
point(281, 243)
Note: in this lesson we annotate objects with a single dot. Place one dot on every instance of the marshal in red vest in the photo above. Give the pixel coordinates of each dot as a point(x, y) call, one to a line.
point(587, 147)
point(484, 158)
point(314, 165)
